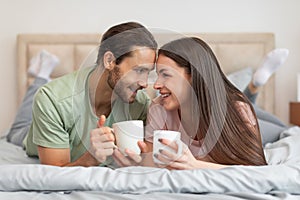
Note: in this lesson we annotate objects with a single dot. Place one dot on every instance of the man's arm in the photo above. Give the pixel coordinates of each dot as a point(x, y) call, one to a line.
point(61, 157)
point(102, 145)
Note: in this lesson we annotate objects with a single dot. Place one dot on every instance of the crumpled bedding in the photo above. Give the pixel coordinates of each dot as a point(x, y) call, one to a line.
point(282, 174)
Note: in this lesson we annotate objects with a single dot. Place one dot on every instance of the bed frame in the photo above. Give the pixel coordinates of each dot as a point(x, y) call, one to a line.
point(233, 50)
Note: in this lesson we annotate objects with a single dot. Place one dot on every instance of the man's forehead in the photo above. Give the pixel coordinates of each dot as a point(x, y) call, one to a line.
point(143, 52)
point(148, 66)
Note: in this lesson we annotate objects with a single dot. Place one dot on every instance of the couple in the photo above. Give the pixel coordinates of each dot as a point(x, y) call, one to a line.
point(69, 127)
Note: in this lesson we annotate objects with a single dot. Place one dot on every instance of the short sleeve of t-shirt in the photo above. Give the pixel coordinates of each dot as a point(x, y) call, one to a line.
point(156, 120)
point(47, 125)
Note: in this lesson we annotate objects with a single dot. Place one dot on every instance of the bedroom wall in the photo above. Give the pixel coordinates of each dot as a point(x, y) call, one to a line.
point(93, 16)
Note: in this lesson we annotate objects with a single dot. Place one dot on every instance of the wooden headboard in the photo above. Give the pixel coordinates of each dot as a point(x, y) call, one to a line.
point(233, 50)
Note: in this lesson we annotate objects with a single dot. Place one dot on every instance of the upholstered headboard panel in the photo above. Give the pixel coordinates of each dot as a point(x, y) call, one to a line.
point(233, 50)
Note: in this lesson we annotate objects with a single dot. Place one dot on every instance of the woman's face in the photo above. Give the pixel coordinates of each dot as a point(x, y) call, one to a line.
point(173, 83)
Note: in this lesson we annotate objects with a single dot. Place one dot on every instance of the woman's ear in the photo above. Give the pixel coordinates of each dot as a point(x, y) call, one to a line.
point(109, 60)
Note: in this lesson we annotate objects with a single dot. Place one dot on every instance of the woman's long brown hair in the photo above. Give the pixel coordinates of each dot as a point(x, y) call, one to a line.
point(228, 140)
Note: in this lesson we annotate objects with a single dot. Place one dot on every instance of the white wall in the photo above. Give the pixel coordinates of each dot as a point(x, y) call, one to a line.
point(90, 16)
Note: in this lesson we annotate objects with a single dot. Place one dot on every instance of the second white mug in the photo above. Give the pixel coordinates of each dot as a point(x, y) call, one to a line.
point(173, 136)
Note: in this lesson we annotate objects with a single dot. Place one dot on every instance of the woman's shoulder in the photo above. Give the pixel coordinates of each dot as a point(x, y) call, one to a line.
point(245, 112)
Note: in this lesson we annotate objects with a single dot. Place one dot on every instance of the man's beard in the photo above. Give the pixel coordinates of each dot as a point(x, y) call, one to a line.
point(115, 83)
point(113, 77)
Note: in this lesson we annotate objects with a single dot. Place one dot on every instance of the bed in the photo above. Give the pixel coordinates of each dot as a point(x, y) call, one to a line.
point(24, 178)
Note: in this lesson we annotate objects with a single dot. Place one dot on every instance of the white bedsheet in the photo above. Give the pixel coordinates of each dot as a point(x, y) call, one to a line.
point(280, 179)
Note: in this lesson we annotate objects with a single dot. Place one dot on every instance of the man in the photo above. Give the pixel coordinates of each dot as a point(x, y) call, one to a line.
point(69, 127)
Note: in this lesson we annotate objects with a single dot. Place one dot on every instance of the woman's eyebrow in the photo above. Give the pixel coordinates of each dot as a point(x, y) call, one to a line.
point(162, 70)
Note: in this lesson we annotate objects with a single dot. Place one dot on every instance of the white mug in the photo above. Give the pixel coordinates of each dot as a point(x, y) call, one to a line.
point(165, 134)
point(127, 134)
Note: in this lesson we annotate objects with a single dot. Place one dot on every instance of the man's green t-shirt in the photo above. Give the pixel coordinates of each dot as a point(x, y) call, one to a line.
point(63, 117)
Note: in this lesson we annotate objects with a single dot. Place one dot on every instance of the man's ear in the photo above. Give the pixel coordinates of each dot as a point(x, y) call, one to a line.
point(109, 60)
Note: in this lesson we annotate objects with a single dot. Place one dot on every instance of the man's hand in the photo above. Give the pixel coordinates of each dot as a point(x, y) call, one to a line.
point(102, 141)
point(132, 159)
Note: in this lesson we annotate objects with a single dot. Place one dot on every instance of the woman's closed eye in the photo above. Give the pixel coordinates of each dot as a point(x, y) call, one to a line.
point(165, 75)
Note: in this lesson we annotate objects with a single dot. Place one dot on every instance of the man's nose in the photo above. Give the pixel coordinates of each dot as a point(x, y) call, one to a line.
point(157, 85)
point(143, 82)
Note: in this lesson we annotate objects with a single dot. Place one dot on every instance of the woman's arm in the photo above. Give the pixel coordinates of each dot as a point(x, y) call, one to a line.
point(184, 161)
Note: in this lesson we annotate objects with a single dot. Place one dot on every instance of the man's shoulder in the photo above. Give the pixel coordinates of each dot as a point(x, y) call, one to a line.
point(59, 88)
point(66, 86)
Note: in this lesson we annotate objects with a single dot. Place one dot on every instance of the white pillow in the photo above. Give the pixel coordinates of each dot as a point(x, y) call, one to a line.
point(241, 78)
point(4, 134)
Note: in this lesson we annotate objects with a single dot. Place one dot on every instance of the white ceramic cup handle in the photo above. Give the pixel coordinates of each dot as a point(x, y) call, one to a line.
point(180, 146)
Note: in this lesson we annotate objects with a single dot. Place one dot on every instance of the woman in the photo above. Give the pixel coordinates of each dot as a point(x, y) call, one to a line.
point(217, 122)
